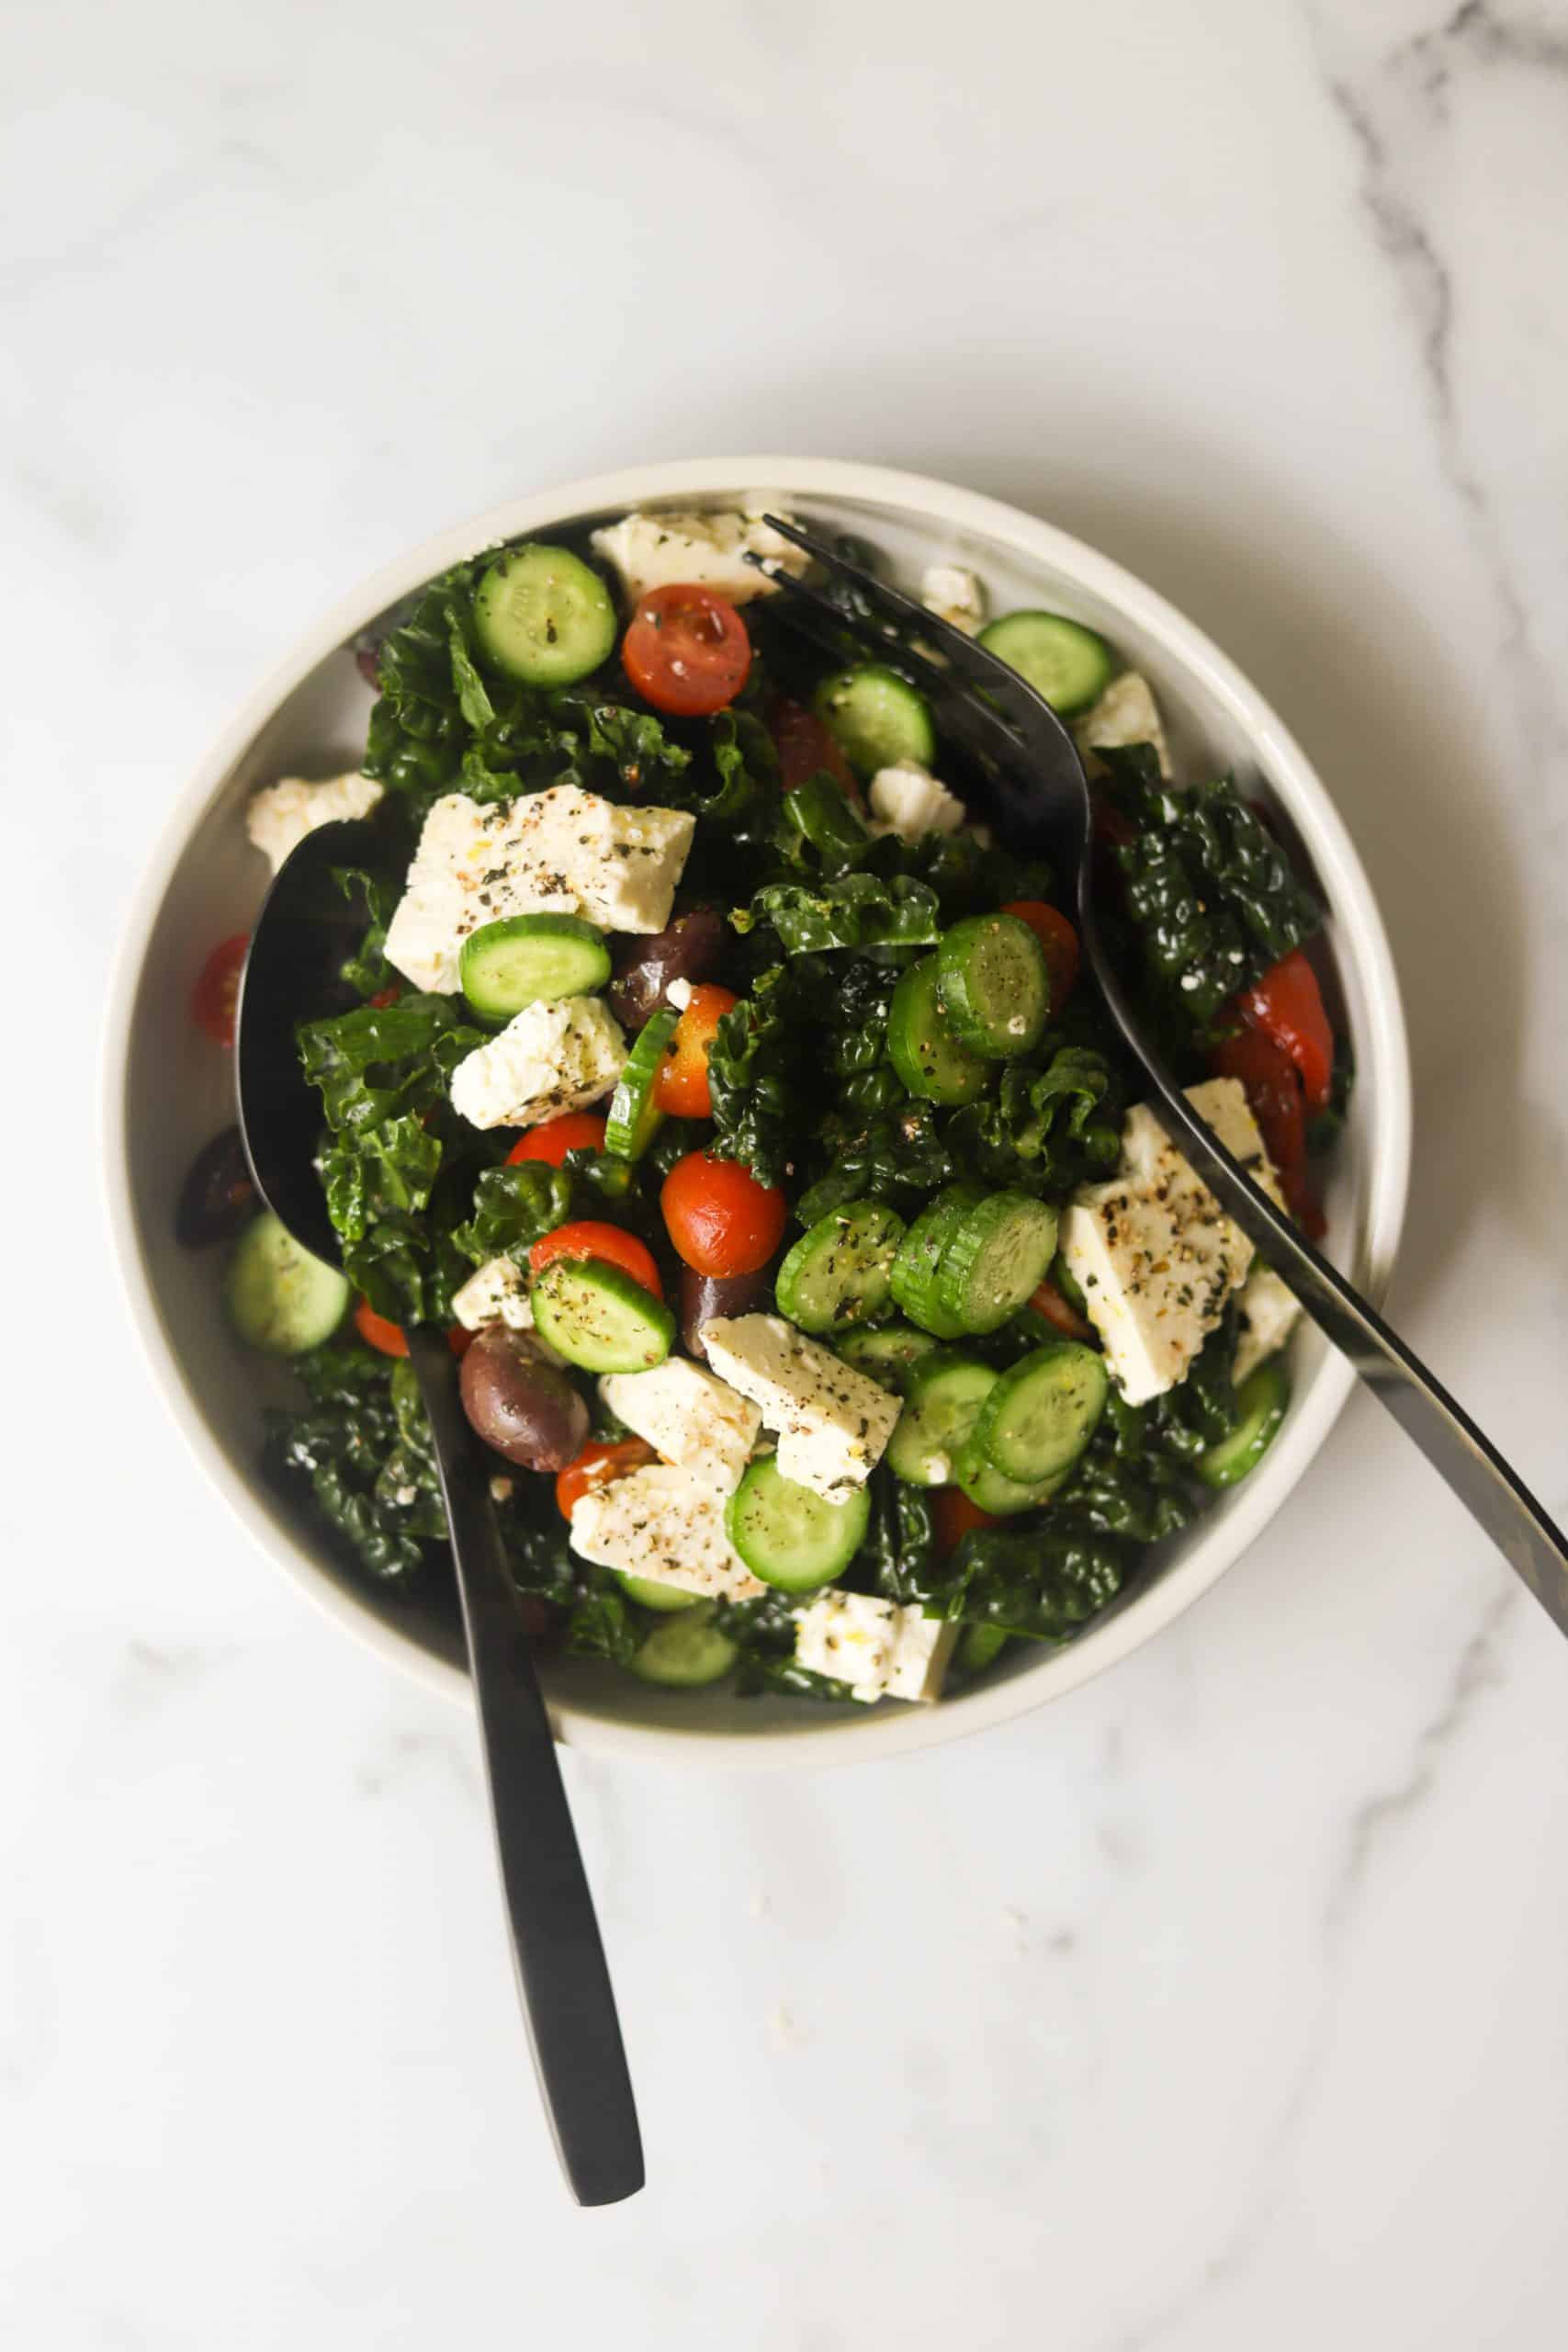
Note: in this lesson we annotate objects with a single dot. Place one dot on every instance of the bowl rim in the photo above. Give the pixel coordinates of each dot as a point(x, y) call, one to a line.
point(881, 1732)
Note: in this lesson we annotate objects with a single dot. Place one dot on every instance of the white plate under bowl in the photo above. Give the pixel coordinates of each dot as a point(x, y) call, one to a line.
point(166, 1090)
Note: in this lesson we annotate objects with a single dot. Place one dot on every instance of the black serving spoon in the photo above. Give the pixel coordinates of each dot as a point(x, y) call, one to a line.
point(304, 932)
point(1041, 795)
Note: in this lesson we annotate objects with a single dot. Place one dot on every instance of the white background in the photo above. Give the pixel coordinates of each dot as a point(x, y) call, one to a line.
point(1221, 2005)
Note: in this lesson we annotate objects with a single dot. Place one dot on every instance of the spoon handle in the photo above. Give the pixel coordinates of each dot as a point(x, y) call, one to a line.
point(568, 2000)
point(1461, 1453)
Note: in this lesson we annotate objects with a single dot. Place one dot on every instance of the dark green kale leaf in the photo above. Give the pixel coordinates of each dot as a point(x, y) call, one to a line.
point(1045, 1576)
point(852, 911)
point(764, 1632)
point(900, 1551)
point(366, 971)
point(758, 1067)
point(815, 831)
point(1053, 1124)
point(418, 727)
point(374, 1489)
point(513, 1207)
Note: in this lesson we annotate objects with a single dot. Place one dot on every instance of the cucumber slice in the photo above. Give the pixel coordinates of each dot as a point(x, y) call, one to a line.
point(280, 1299)
point(991, 1490)
point(994, 986)
point(788, 1535)
point(993, 1259)
point(946, 1396)
point(1042, 1411)
point(914, 1283)
point(685, 1651)
point(648, 1593)
point(888, 1355)
point(924, 1048)
point(597, 1318)
point(981, 1647)
point(839, 1270)
point(504, 966)
point(633, 1117)
point(1066, 662)
point(1261, 1400)
point(876, 718)
point(1066, 1282)
point(541, 616)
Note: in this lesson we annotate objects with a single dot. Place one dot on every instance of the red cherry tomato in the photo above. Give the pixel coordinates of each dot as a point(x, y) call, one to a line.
point(1274, 1091)
point(953, 1514)
point(806, 746)
point(686, 651)
point(720, 1220)
point(681, 1086)
point(596, 1465)
point(1048, 1301)
point(379, 1332)
point(461, 1341)
point(1286, 1003)
point(385, 997)
point(215, 996)
point(573, 1131)
point(1058, 943)
point(585, 1237)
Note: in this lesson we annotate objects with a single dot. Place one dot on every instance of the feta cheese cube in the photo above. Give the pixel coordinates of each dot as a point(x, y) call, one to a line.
point(555, 1056)
point(667, 1523)
point(832, 1422)
point(498, 1293)
point(1153, 1253)
point(1267, 1313)
point(653, 551)
point(907, 800)
point(954, 595)
point(560, 851)
point(278, 817)
point(880, 1648)
point(1125, 713)
point(689, 1416)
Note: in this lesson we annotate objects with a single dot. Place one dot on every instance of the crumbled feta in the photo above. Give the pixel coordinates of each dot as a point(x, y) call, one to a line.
point(880, 1648)
point(501, 1489)
point(655, 550)
point(688, 1416)
point(664, 1522)
point(1152, 1250)
point(560, 851)
point(907, 800)
point(1125, 713)
point(498, 1293)
point(1266, 1312)
point(832, 1422)
point(556, 1055)
point(954, 595)
point(278, 817)
point(679, 994)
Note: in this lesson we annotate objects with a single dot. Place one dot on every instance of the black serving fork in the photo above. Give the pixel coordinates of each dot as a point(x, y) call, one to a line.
point(1041, 802)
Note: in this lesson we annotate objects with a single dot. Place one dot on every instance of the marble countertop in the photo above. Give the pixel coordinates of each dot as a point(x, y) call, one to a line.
point(1221, 2004)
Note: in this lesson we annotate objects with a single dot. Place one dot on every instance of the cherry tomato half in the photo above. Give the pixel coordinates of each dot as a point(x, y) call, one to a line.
point(586, 1236)
point(953, 1515)
point(806, 746)
point(686, 651)
point(378, 1331)
point(573, 1131)
point(215, 996)
point(1274, 1092)
point(597, 1465)
point(720, 1220)
point(1286, 1003)
point(681, 1086)
point(1058, 944)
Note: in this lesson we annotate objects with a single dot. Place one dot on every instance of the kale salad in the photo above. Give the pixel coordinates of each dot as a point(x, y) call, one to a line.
point(834, 1311)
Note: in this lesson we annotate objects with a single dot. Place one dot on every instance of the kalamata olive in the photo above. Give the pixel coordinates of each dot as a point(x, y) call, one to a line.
point(689, 950)
point(524, 1411)
point(704, 1297)
point(218, 1195)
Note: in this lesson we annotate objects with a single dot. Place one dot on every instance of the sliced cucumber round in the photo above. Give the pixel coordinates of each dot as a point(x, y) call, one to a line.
point(280, 1298)
point(633, 1117)
point(687, 1650)
point(1260, 1401)
point(788, 1535)
point(876, 718)
point(914, 1279)
point(994, 986)
point(993, 1259)
point(888, 1355)
point(595, 1315)
point(840, 1271)
point(946, 1395)
point(1069, 665)
point(1042, 1411)
point(925, 1048)
point(543, 617)
point(991, 1490)
point(649, 1594)
point(504, 966)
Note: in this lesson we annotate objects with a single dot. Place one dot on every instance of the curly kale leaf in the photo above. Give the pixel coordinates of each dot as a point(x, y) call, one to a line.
point(853, 911)
point(816, 832)
point(513, 1207)
point(1209, 890)
point(366, 971)
point(1043, 1577)
point(419, 729)
point(371, 1485)
point(1048, 1128)
point(900, 1548)
point(764, 1632)
point(756, 1075)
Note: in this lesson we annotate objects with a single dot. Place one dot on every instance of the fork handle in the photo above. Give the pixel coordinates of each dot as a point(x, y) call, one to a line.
point(1463, 1455)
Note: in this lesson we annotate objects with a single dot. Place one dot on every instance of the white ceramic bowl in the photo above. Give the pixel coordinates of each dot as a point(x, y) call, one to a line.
point(166, 1090)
